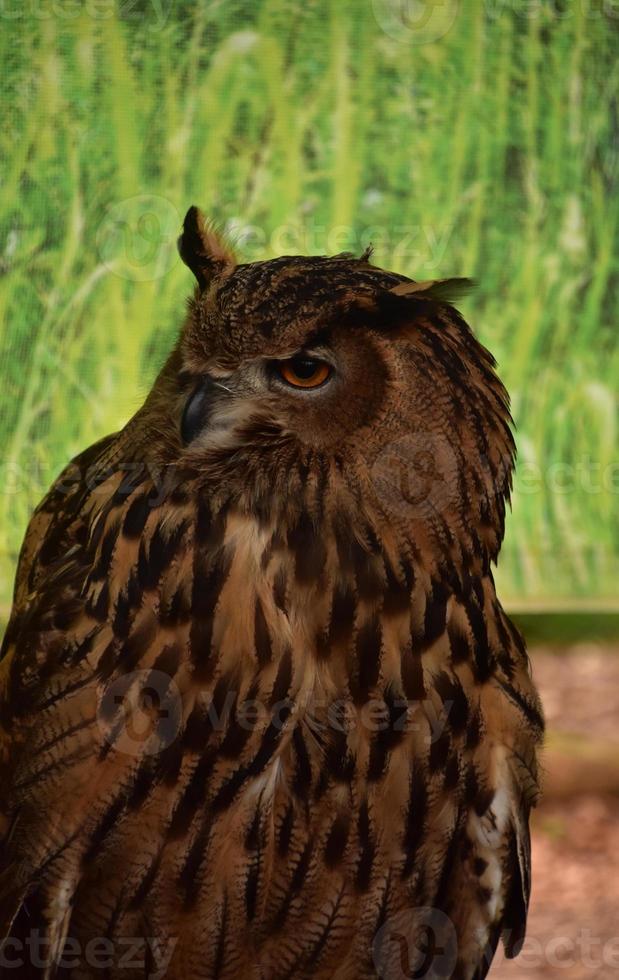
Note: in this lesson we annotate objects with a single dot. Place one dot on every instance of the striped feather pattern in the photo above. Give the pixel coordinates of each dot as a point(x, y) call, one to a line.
point(255, 709)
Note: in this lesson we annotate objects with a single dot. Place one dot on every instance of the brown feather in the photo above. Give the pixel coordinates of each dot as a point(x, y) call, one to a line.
point(259, 700)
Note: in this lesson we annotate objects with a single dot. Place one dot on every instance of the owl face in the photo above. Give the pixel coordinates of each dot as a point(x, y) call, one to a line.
point(284, 342)
point(298, 366)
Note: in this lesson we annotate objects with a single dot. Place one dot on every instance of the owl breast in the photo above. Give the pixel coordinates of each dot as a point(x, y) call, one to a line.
point(342, 765)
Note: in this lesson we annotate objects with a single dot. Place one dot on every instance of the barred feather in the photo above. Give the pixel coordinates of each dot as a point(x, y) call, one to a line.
point(259, 699)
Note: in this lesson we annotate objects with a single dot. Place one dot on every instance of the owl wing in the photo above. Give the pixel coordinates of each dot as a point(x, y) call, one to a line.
point(519, 883)
point(50, 574)
point(54, 527)
point(516, 889)
point(503, 836)
point(510, 926)
point(525, 796)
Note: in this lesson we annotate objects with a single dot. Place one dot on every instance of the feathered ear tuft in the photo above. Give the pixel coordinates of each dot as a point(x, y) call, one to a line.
point(202, 250)
point(440, 290)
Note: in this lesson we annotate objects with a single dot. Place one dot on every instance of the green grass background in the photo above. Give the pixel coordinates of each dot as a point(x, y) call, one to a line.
point(491, 150)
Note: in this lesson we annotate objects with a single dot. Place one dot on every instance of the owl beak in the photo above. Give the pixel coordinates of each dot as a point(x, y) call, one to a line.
point(200, 407)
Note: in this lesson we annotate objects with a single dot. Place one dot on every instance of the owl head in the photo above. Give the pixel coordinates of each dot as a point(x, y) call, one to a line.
point(301, 380)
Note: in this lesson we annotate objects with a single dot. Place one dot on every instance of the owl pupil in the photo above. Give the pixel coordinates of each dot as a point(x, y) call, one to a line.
point(304, 367)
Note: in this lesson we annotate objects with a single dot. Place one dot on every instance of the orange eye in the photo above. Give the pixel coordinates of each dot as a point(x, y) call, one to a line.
point(304, 372)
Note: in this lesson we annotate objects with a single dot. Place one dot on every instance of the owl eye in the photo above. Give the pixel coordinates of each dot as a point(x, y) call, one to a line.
point(304, 372)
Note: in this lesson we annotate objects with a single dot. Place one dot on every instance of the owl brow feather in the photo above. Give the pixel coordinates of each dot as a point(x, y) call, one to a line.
point(317, 338)
point(409, 300)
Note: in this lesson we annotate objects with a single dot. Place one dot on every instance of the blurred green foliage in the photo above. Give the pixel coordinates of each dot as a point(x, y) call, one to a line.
point(484, 144)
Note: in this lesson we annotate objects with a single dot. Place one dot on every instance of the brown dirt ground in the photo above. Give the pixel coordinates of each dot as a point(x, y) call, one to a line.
point(573, 930)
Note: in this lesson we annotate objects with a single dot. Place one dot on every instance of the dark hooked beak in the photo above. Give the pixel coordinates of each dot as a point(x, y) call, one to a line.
point(199, 407)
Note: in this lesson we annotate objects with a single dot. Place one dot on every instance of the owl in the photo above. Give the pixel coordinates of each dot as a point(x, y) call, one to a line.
point(262, 713)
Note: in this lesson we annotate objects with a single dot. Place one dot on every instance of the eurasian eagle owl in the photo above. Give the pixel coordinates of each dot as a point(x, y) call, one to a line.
point(262, 714)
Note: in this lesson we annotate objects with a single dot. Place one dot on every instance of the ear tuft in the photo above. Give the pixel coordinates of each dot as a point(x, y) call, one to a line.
point(202, 250)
